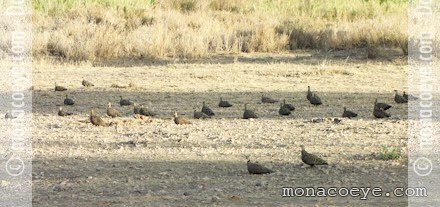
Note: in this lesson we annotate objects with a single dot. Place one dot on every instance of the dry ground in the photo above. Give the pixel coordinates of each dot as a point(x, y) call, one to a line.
point(158, 163)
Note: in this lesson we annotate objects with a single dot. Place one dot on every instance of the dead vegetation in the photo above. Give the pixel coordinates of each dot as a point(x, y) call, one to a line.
point(89, 30)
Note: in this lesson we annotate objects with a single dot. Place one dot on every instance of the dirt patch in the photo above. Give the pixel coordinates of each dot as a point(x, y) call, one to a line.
point(157, 163)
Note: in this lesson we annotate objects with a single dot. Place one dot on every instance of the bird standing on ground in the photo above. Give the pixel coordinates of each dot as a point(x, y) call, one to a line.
point(68, 101)
point(61, 112)
point(224, 104)
point(207, 110)
point(382, 106)
point(59, 88)
point(86, 83)
point(112, 112)
point(398, 98)
point(96, 120)
point(311, 159)
point(315, 100)
point(284, 111)
point(254, 168)
point(248, 114)
point(180, 120)
point(266, 99)
point(125, 102)
point(348, 114)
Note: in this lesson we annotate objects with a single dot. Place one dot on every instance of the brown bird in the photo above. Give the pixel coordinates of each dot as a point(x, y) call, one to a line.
point(399, 99)
point(382, 106)
point(284, 111)
point(180, 120)
point(266, 99)
point(311, 159)
point(315, 100)
point(254, 168)
point(289, 106)
point(68, 101)
point(224, 104)
point(348, 114)
point(309, 93)
point(86, 83)
point(96, 120)
point(248, 114)
point(112, 112)
point(61, 112)
point(60, 88)
point(207, 110)
point(200, 115)
point(379, 113)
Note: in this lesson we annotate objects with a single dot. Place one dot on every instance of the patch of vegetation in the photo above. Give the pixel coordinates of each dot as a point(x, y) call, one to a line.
point(86, 30)
point(388, 153)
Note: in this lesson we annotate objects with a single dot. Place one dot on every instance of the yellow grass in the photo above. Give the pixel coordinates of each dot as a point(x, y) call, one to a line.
point(87, 30)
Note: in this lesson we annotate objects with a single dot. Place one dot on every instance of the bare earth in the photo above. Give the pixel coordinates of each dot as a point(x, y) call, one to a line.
point(157, 163)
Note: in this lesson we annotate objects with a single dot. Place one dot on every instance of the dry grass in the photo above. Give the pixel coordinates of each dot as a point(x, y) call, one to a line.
point(105, 29)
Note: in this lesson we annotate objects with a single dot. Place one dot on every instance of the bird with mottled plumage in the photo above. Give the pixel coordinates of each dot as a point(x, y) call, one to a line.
point(87, 83)
point(207, 110)
point(284, 111)
point(315, 100)
point(289, 106)
point(379, 113)
point(249, 114)
point(200, 115)
point(96, 120)
point(180, 120)
point(60, 88)
point(224, 104)
point(311, 159)
point(112, 112)
point(68, 101)
point(61, 112)
point(266, 99)
point(255, 168)
point(382, 106)
point(125, 102)
point(398, 98)
point(348, 114)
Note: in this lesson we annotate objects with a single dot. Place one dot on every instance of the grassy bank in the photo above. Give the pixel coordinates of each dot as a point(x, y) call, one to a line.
point(86, 30)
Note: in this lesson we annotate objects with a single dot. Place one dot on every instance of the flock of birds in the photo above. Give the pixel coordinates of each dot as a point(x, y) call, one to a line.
point(379, 111)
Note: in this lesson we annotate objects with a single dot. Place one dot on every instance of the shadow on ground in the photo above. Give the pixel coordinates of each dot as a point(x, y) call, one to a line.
point(79, 181)
point(303, 57)
point(165, 104)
